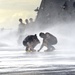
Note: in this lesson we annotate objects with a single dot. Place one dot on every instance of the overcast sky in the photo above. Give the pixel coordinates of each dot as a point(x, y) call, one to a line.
point(12, 10)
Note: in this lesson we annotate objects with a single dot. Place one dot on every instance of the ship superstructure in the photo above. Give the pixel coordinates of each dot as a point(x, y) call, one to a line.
point(55, 11)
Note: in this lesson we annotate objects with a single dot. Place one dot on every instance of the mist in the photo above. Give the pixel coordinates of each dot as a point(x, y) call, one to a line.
point(63, 31)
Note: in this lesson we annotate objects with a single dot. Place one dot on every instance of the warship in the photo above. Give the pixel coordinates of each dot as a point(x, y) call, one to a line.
point(55, 11)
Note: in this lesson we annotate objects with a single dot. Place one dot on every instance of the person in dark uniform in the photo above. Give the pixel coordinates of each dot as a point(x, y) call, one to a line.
point(48, 40)
point(30, 42)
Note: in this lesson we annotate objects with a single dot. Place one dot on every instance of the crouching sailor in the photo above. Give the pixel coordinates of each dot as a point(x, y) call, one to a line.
point(30, 42)
point(48, 40)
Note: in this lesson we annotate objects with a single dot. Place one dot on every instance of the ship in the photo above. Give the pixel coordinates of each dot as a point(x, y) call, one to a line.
point(53, 12)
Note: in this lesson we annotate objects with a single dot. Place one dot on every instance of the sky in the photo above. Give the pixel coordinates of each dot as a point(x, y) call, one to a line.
point(12, 10)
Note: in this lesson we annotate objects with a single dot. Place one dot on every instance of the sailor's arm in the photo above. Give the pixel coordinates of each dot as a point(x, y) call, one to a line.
point(41, 47)
point(43, 44)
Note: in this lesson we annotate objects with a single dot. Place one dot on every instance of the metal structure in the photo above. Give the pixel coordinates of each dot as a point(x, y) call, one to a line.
point(52, 11)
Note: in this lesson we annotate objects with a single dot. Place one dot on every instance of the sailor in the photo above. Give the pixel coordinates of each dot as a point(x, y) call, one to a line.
point(48, 40)
point(27, 25)
point(21, 26)
point(30, 42)
point(21, 30)
point(27, 22)
point(31, 20)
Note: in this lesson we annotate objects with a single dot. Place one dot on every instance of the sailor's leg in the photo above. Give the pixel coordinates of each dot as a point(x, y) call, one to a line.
point(27, 48)
point(32, 49)
point(31, 46)
point(50, 48)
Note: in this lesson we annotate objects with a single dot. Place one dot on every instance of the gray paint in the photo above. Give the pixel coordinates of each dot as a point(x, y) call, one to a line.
point(51, 11)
